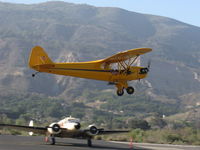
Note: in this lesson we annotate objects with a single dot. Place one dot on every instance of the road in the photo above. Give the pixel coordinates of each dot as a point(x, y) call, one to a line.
point(10, 142)
point(162, 146)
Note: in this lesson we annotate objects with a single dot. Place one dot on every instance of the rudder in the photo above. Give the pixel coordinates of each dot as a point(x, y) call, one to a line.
point(38, 57)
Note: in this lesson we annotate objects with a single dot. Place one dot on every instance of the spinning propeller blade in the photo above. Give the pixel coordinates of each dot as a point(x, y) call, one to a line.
point(149, 64)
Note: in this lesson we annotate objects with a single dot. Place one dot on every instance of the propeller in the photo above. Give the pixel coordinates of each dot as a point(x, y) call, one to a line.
point(149, 65)
point(146, 70)
point(54, 128)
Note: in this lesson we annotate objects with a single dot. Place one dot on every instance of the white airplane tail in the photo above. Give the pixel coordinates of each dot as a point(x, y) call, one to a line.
point(31, 125)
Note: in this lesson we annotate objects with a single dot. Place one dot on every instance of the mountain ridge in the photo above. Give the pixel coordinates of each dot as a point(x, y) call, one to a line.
point(71, 32)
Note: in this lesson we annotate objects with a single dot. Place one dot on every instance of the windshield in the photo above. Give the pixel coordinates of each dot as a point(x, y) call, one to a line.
point(73, 120)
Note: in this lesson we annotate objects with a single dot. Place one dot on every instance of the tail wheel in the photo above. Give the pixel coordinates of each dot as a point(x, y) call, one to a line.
point(130, 90)
point(120, 92)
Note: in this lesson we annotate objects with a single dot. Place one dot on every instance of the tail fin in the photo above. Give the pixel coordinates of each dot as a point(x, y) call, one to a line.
point(38, 57)
point(31, 125)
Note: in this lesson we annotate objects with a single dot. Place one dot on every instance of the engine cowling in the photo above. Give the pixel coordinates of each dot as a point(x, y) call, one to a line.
point(54, 128)
point(144, 70)
point(93, 130)
point(77, 126)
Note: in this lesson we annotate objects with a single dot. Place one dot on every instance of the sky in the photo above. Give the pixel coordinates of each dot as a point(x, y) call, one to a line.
point(187, 11)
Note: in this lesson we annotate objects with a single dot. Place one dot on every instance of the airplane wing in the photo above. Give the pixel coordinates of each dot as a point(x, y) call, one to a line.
point(64, 133)
point(102, 132)
point(123, 56)
point(37, 130)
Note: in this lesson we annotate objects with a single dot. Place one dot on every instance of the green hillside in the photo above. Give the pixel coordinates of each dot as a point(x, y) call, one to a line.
point(71, 32)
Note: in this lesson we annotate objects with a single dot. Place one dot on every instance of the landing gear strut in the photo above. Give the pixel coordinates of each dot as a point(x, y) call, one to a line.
point(53, 140)
point(89, 142)
point(130, 90)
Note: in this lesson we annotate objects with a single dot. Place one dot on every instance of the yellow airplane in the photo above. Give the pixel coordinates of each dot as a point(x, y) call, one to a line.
point(68, 127)
point(117, 69)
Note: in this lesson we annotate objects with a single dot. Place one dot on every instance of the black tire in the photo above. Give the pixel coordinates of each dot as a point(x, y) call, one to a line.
point(89, 142)
point(130, 90)
point(120, 92)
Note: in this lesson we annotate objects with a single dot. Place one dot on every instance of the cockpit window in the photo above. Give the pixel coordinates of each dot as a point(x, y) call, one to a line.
point(73, 120)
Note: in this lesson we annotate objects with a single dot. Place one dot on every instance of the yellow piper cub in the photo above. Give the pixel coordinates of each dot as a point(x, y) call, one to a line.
point(117, 69)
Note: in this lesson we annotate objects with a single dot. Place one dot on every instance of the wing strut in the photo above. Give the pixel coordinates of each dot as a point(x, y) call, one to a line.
point(124, 67)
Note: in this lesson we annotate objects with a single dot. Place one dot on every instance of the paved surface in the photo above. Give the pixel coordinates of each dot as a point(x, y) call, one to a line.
point(10, 142)
point(164, 146)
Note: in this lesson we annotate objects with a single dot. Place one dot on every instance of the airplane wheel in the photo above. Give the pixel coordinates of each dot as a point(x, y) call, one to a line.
point(89, 142)
point(120, 92)
point(130, 90)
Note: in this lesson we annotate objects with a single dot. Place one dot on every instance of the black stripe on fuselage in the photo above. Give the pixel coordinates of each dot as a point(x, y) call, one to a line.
point(82, 69)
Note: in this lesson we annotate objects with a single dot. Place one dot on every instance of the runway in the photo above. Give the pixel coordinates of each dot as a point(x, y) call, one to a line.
point(10, 142)
point(151, 146)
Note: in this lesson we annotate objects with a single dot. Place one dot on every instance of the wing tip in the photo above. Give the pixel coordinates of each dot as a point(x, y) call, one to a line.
point(142, 48)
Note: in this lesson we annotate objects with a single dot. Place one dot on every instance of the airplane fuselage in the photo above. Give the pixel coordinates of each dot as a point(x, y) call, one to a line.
point(91, 70)
point(117, 69)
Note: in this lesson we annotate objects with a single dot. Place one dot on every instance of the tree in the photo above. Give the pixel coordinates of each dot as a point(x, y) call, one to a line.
point(138, 123)
point(158, 122)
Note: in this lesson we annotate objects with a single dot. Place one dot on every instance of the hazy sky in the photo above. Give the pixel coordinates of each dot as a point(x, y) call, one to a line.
point(187, 11)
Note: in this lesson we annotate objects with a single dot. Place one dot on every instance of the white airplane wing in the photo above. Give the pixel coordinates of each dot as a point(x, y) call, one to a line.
point(100, 131)
point(37, 130)
point(92, 131)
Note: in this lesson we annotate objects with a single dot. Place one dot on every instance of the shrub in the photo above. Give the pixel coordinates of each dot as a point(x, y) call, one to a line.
point(137, 135)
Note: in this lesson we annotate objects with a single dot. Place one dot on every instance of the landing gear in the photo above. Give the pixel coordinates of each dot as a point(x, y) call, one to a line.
point(89, 142)
point(53, 140)
point(120, 92)
point(130, 90)
point(34, 74)
point(123, 85)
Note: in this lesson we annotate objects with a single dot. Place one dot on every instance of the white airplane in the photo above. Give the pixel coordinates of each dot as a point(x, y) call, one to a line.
point(68, 127)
